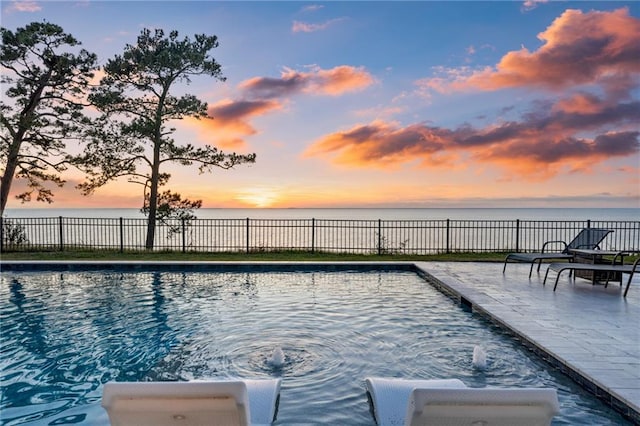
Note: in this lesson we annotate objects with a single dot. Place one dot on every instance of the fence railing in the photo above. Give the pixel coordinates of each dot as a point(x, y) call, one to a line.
point(314, 235)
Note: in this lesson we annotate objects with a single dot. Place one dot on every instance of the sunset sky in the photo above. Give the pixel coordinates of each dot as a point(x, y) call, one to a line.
point(392, 104)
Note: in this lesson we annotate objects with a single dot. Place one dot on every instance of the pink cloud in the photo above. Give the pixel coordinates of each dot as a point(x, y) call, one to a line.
point(532, 4)
point(233, 114)
point(231, 121)
point(579, 103)
point(232, 118)
point(268, 87)
point(334, 81)
point(537, 146)
point(578, 48)
point(304, 27)
point(24, 6)
point(339, 80)
point(312, 8)
point(589, 61)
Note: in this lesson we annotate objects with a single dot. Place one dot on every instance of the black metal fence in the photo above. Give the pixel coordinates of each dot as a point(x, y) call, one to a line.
point(314, 235)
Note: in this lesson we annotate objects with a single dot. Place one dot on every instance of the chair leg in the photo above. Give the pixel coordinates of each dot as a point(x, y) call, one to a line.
point(545, 277)
point(539, 264)
point(557, 278)
point(626, 290)
point(531, 269)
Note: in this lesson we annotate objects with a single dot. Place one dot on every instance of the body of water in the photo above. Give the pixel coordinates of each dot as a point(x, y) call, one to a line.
point(408, 231)
point(613, 214)
point(65, 334)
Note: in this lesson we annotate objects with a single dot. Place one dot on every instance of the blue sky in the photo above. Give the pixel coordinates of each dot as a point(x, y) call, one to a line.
point(394, 104)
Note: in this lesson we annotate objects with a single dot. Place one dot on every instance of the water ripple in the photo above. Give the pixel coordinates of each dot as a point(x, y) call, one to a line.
point(65, 335)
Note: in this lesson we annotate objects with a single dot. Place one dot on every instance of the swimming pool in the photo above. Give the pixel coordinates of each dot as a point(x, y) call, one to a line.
point(66, 333)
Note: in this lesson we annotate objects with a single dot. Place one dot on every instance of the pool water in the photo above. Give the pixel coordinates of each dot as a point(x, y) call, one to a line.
point(65, 334)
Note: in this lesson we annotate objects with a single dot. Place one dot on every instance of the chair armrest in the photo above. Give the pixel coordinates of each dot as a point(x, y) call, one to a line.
point(620, 255)
point(554, 242)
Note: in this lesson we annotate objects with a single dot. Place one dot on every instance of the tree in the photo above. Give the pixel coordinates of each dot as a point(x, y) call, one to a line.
point(47, 84)
point(136, 102)
point(172, 206)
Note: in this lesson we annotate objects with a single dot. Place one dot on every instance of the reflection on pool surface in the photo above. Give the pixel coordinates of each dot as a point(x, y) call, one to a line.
point(65, 334)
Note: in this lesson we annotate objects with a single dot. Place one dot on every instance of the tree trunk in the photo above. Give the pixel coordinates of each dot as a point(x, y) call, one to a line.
point(9, 171)
point(14, 151)
point(5, 183)
point(153, 198)
point(155, 168)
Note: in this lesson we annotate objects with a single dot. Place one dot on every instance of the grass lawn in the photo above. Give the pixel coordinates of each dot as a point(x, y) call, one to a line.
point(287, 256)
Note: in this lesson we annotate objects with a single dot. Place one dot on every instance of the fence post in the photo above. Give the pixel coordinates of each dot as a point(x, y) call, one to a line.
point(121, 235)
point(588, 223)
point(60, 229)
point(247, 235)
point(448, 238)
point(313, 235)
point(379, 237)
point(517, 235)
point(184, 235)
point(1, 234)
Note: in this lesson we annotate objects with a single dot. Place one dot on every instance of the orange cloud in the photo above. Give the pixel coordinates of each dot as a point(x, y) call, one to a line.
point(334, 81)
point(539, 146)
point(230, 121)
point(339, 80)
point(231, 118)
point(579, 103)
point(381, 144)
point(578, 48)
point(591, 59)
point(233, 114)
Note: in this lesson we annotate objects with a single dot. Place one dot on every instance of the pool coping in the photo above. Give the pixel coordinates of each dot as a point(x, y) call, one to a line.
point(467, 296)
point(213, 266)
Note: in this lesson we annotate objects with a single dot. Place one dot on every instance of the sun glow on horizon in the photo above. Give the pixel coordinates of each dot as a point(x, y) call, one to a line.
point(260, 197)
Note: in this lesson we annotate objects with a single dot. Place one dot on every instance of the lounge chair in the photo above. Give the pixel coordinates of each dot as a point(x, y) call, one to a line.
point(223, 403)
point(614, 268)
point(482, 406)
point(388, 397)
point(450, 402)
point(588, 238)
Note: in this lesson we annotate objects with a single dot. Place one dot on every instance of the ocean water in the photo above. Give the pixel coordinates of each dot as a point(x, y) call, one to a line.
point(599, 214)
point(417, 231)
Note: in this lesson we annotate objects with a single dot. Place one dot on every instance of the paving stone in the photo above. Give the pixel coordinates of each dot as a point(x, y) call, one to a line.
point(591, 330)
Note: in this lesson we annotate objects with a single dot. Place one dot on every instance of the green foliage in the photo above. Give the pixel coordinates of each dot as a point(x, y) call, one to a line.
point(384, 246)
point(171, 209)
point(13, 233)
point(42, 109)
point(132, 138)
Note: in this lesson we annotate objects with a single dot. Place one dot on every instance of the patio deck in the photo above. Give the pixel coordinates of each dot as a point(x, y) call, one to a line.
point(591, 333)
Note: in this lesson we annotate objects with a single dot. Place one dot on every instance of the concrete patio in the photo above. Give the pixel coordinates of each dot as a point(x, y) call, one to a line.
point(591, 333)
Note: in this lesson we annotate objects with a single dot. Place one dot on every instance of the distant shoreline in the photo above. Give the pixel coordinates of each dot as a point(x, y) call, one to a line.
point(361, 213)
